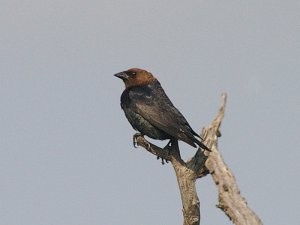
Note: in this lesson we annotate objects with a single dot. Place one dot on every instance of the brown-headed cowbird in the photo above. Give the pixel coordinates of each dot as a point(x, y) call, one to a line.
point(150, 111)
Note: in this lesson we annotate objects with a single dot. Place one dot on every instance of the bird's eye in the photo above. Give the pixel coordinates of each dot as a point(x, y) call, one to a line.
point(131, 73)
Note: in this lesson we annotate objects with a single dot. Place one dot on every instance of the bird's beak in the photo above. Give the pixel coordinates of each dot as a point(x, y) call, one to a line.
point(122, 75)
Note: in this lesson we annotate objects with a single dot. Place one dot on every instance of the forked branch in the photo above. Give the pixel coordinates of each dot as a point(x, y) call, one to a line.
point(230, 200)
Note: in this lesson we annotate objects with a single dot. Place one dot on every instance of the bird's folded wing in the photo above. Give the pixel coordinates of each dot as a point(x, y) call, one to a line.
point(166, 118)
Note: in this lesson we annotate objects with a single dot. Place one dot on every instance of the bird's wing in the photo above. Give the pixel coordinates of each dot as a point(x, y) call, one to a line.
point(159, 111)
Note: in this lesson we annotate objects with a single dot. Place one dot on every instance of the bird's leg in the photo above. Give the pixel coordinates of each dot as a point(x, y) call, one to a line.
point(168, 145)
point(174, 147)
point(171, 144)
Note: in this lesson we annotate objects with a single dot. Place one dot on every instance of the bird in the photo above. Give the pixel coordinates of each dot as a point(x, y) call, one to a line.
point(150, 111)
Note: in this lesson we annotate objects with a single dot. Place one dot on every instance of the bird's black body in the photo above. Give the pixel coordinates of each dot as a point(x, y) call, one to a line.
point(150, 111)
point(138, 104)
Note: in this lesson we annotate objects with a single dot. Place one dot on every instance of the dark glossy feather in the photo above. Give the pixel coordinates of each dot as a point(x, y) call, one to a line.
point(150, 111)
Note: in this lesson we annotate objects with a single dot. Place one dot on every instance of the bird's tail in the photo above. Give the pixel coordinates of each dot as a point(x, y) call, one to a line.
point(201, 145)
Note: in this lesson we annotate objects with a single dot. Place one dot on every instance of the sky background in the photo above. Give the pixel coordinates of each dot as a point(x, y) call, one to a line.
point(66, 154)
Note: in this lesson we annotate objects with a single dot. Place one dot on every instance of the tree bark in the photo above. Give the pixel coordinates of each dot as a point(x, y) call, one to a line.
point(202, 163)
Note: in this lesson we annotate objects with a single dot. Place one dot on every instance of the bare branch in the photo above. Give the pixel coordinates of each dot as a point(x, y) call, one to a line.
point(186, 178)
point(230, 200)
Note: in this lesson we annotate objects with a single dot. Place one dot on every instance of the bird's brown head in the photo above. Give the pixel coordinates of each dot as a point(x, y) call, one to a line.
point(136, 77)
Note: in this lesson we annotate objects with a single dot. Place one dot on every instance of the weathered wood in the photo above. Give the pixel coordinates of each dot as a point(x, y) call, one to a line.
point(202, 163)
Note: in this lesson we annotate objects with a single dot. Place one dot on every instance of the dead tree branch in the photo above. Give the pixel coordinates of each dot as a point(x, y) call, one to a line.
point(230, 200)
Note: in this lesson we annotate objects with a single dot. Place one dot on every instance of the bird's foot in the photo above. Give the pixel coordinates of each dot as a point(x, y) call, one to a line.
point(167, 148)
point(135, 136)
point(163, 161)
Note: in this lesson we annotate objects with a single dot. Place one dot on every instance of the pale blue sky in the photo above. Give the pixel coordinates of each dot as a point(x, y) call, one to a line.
point(66, 154)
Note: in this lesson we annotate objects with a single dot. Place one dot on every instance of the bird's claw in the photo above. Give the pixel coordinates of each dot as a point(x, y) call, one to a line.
point(163, 161)
point(135, 136)
point(167, 148)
